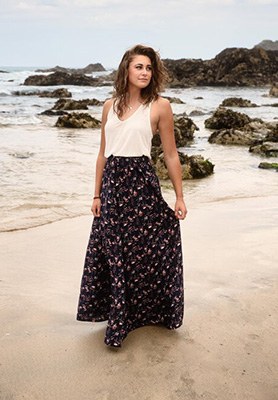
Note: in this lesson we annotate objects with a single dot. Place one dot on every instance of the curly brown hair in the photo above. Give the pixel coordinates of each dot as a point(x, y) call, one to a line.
point(157, 84)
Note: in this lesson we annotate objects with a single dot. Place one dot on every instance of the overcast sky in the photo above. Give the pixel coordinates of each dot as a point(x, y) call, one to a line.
point(78, 32)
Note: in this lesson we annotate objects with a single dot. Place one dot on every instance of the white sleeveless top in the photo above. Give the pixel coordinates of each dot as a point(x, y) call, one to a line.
point(131, 137)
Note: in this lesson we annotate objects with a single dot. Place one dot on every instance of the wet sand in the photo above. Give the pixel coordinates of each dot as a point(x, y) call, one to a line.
point(226, 349)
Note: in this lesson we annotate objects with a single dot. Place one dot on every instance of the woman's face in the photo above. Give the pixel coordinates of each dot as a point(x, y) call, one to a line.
point(140, 71)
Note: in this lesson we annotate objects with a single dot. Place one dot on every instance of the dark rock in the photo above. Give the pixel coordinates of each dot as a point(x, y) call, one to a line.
point(184, 129)
point(107, 80)
point(237, 128)
point(274, 90)
point(174, 100)
point(272, 136)
point(3, 72)
point(231, 67)
point(268, 45)
point(266, 165)
point(60, 78)
point(199, 98)
point(180, 115)
point(184, 72)
point(45, 93)
point(196, 113)
point(87, 70)
point(94, 102)
point(193, 167)
point(78, 120)
point(224, 118)
point(270, 105)
point(65, 104)
point(53, 113)
point(267, 149)
point(233, 136)
point(57, 93)
point(237, 102)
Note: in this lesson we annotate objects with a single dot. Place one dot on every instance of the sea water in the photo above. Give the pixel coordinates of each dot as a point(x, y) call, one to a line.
point(48, 173)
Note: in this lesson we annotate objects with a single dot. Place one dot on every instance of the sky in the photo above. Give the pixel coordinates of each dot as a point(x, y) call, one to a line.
point(46, 33)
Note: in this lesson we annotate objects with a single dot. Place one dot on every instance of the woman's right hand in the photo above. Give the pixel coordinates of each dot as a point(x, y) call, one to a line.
point(96, 206)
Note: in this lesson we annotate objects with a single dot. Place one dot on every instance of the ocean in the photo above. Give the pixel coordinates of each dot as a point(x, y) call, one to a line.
point(48, 173)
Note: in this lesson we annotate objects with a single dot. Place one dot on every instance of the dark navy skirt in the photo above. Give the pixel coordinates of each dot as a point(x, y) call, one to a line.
point(133, 271)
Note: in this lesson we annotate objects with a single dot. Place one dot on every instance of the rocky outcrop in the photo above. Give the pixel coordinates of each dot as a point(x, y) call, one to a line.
point(237, 102)
point(274, 90)
point(60, 78)
point(87, 70)
point(267, 149)
point(196, 113)
point(3, 72)
point(224, 118)
point(268, 45)
point(65, 104)
point(238, 128)
point(56, 93)
point(231, 67)
point(266, 165)
point(193, 167)
point(107, 79)
point(268, 145)
point(270, 105)
point(175, 100)
point(272, 136)
point(78, 120)
point(184, 129)
point(53, 112)
point(233, 136)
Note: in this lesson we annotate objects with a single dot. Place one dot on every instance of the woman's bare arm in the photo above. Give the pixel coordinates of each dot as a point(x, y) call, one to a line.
point(171, 157)
point(101, 160)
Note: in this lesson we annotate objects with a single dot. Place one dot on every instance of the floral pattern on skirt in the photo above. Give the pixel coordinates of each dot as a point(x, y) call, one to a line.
point(133, 272)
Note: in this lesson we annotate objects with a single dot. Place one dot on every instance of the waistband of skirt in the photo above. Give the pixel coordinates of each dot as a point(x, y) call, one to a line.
point(127, 158)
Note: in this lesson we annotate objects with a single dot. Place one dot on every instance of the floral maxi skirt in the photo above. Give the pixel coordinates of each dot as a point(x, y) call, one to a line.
point(133, 270)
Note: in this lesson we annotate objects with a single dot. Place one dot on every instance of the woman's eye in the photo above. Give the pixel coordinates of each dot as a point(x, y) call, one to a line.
point(139, 66)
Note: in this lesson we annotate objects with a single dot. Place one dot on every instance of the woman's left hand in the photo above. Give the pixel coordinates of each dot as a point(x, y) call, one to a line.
point(180, 209)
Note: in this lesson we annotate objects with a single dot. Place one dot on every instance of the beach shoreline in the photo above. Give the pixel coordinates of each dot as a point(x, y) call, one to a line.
point(48, 172)
point(226, 348)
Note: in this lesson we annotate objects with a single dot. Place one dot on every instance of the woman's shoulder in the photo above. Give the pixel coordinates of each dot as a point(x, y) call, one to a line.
point(108, 102)
point(162, 105)
point(161, 101)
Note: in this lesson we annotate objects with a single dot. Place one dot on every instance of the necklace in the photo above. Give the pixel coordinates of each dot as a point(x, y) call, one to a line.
point(130, 107)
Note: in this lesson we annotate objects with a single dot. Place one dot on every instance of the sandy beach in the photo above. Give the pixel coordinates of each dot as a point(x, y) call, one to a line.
point(226, 349)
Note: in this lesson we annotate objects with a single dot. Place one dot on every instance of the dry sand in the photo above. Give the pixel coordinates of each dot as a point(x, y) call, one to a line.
point(226, 349)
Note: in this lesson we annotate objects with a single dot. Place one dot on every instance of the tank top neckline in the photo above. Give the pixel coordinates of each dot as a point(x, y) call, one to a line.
point(130, 115)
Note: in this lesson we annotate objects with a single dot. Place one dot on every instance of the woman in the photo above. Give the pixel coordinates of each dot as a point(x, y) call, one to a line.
point(133, 272)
